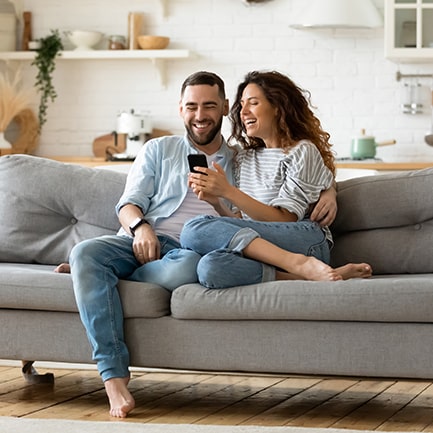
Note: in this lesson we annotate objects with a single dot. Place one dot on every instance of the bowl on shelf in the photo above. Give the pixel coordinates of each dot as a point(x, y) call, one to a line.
point(83, 39)
point(149, 42)
point(34, 45)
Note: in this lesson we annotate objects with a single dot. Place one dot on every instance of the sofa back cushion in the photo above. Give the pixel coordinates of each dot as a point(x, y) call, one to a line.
point(387, 221)
point(46, 207)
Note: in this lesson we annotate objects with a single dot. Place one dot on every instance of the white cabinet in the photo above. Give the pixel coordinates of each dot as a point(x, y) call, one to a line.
point(409, 30)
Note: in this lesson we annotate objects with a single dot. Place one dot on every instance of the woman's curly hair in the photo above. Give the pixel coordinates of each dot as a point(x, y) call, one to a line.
point(296, 119)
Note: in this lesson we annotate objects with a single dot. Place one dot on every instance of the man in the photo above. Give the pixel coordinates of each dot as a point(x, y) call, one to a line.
point(152, 210)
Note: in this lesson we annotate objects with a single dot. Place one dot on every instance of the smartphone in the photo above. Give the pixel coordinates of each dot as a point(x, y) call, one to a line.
point(197, 160)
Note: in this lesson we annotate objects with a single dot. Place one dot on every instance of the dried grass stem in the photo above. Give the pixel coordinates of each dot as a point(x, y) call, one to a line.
point(13, 97)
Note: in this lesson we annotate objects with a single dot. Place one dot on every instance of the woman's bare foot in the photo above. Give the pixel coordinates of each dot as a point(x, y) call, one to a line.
point(63, 268)
point(354, 270)
point(121, 400)
point(351, 270)
point(310, 268)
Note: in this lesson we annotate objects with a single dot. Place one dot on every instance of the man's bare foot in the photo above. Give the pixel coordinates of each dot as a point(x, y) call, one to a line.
point(63, 268)
point(310, 268)
point(354, 270)
point(121, 400)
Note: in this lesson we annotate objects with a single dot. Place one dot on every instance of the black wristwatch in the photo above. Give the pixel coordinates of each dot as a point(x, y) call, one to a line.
point(135, 224)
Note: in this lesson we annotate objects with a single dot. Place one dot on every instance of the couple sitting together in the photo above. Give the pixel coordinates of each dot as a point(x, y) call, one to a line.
point(259, 213)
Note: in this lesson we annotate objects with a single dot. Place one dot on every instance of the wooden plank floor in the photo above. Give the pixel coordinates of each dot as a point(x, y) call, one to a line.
point(226, 399)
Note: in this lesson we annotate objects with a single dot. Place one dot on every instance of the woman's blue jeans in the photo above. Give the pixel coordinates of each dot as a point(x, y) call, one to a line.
point(96, 267)
point(221, 240)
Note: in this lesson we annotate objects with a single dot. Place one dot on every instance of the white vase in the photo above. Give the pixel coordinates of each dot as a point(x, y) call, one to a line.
point(4, 144)
point(8, 26)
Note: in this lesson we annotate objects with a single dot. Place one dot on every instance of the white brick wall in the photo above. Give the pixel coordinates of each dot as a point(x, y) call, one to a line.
point(352, 84)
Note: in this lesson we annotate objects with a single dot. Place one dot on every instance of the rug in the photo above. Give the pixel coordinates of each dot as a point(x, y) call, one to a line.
point(29, 425)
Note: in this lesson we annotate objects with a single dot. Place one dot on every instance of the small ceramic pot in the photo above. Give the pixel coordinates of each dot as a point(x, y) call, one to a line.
point(364, 146)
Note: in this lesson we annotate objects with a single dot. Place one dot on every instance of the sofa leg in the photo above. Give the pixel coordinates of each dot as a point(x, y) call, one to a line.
point(32, 377)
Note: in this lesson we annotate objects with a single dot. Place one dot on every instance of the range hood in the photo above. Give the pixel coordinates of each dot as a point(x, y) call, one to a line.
point(339, 14)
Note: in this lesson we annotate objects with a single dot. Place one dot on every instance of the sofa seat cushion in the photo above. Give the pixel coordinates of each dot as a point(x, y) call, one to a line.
point(393, 298)
point(37, 287)
point(387, 221)
point(48, 207)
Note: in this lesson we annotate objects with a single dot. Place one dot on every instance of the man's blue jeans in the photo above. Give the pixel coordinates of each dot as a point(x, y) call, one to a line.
point(220, 240)
point(96, 267)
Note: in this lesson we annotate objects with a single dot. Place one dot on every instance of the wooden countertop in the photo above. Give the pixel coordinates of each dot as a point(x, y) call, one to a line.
point(87, 161)
point(372, 165)
point(384, 166)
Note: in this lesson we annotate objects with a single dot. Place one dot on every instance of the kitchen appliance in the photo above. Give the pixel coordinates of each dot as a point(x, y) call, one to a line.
point(364, 146)
point(138, 129)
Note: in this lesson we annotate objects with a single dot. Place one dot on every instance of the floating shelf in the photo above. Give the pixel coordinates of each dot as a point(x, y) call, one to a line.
point(157, 57)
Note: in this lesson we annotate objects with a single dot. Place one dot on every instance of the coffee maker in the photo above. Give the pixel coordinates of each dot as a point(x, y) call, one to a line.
point(138, 129)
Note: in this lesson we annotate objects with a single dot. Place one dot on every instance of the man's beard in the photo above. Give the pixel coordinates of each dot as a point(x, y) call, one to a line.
point(204, 140)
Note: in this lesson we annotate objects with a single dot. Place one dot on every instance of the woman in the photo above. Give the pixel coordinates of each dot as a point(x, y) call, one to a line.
point(284, 164)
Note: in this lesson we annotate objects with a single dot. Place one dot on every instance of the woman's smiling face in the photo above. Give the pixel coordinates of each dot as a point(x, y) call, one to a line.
point(258, 115)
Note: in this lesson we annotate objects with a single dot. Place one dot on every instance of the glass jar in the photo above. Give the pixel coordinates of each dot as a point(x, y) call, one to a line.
point(116, 42)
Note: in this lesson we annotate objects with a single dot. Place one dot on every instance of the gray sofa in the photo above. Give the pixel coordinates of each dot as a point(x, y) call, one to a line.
point(382, 326)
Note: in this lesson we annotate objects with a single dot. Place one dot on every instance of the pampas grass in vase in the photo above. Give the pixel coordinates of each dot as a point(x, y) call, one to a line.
point(13, 100)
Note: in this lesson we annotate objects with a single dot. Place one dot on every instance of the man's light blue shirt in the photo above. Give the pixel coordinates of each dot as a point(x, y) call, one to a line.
point(157, 181)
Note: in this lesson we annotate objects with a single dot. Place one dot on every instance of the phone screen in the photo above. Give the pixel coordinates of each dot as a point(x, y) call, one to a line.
point(197, 160)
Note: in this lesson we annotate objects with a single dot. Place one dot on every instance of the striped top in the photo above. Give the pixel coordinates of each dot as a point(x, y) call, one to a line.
point(291, 180)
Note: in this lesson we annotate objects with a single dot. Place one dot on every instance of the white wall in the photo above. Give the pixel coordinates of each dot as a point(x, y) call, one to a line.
point(353, 86)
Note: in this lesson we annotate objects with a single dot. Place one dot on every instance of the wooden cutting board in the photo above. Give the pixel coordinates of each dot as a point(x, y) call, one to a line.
point(105, 144)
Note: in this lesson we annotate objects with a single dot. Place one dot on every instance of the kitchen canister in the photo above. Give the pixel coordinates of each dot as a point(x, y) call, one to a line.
point(8, 26)
point(116, 42)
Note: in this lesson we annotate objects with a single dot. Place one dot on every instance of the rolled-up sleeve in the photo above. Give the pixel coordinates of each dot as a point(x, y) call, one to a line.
point(306, 176)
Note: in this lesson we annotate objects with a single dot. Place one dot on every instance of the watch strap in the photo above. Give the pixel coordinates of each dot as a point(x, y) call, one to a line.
point(137, 223)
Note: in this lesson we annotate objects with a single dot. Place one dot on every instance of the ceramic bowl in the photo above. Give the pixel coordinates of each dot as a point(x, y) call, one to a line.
point(148, 42)
point(83, 39)
point(34, 45)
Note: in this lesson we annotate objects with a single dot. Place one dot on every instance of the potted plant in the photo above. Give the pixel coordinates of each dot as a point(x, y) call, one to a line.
point(46, 53)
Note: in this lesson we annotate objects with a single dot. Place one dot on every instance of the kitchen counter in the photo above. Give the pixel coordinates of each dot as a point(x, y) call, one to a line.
point(92, 161)
point(384, 166)
point(87, 161)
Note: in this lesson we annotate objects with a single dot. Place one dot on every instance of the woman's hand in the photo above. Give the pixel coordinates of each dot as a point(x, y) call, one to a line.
point(209, 185)
point(325, 210)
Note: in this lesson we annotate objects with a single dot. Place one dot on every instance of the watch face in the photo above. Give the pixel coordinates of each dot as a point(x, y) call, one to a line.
point(136, 223)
